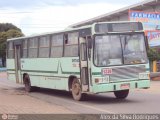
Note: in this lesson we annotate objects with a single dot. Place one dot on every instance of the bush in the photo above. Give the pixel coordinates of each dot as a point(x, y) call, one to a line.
point(154, 54)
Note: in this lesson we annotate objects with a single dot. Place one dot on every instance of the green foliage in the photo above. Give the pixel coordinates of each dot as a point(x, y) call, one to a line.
point(12, 33)
point(4, 27)
point(7, 31)
point(153, 54)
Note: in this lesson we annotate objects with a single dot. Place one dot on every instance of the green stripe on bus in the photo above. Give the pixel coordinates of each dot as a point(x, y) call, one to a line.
point(96, 73)
point(42, 71)
point(11, 70)
point(39, 71)
point(12, 73)
point(47, 76)
point(77, 73)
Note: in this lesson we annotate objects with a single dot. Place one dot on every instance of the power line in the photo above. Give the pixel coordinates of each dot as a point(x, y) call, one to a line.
point(15, 12)
point(45, 24)
point(42, 27)
point(32, 8)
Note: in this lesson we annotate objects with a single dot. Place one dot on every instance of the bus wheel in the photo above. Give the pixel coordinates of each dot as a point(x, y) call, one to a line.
point(27, 83)
point(122, 94)
point(76, 90)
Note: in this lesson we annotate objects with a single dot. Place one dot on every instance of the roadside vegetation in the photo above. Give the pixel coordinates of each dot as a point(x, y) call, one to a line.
point(7, 31)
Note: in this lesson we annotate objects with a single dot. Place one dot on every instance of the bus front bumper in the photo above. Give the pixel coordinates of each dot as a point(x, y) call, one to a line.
point(100, 88)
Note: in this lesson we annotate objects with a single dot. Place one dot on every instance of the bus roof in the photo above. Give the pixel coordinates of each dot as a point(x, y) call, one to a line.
point(69, 29)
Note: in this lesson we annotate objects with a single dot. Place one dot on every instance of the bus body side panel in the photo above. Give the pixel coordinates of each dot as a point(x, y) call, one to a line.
point(11, 69)
point(70, 66)
point(40, 70)
point(50, 72)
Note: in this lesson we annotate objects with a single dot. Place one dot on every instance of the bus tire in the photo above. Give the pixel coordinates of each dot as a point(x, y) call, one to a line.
point(27, 83)
point(122, 94)
point(76, 90)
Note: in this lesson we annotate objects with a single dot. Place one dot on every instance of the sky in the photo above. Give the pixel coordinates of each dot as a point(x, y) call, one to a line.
point(40, 16)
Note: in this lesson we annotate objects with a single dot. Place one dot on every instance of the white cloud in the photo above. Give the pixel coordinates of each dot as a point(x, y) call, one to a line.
point(53, 18)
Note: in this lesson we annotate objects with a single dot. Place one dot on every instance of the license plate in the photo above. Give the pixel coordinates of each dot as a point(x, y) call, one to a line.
point(106, 71)
point(125, 86)
point(105, 79)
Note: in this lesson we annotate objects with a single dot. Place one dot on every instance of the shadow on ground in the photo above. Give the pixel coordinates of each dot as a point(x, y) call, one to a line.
point(103, 98)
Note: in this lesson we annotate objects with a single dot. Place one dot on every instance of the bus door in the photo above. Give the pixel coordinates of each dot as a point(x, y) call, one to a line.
point(18, 62)
point(84, 62)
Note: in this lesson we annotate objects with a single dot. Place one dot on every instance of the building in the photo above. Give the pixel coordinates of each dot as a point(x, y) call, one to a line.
point(147, 12)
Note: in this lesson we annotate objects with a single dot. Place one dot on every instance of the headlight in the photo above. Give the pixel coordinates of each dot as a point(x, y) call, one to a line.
point(143, 75)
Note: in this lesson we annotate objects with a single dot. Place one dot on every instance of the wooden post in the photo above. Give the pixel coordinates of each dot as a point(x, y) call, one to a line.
point(155, 66)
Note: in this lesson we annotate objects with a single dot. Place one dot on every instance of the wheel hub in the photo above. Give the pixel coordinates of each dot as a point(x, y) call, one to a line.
point(76, 88)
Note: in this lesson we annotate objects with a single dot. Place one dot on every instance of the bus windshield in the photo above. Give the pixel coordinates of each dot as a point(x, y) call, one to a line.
point(118, 49)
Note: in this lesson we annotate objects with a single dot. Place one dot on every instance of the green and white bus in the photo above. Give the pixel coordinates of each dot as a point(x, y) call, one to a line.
point(102, 57)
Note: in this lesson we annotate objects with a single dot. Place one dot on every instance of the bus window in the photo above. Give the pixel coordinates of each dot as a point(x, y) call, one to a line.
point(10, 50)
point(44, 46)
point(108, 50)
point(25, 49)
point(33, 47)
point(57, 45)
point(134, 50)
point(71, 45)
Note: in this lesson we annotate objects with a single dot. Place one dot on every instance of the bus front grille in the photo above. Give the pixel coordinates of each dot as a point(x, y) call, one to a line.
point(126, 73)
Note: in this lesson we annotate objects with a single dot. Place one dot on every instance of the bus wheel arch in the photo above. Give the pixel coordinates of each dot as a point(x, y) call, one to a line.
point(70, 80)
point(27, 82)
point(24, 75)
point(75, 88)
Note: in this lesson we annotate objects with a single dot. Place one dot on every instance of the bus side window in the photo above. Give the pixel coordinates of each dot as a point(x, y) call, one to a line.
point(71, 44)
point(25, 49)
point(33, 47)
point(10, 50)
point(66, 39)
point(44, 43)
point(57, 45)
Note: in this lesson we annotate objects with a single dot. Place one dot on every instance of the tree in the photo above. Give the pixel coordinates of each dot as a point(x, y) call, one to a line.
point(153, 54)
point(4, 27)
point(7, 31)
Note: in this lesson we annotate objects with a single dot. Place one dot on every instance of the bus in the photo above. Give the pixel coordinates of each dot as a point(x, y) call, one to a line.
point(98, 58)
